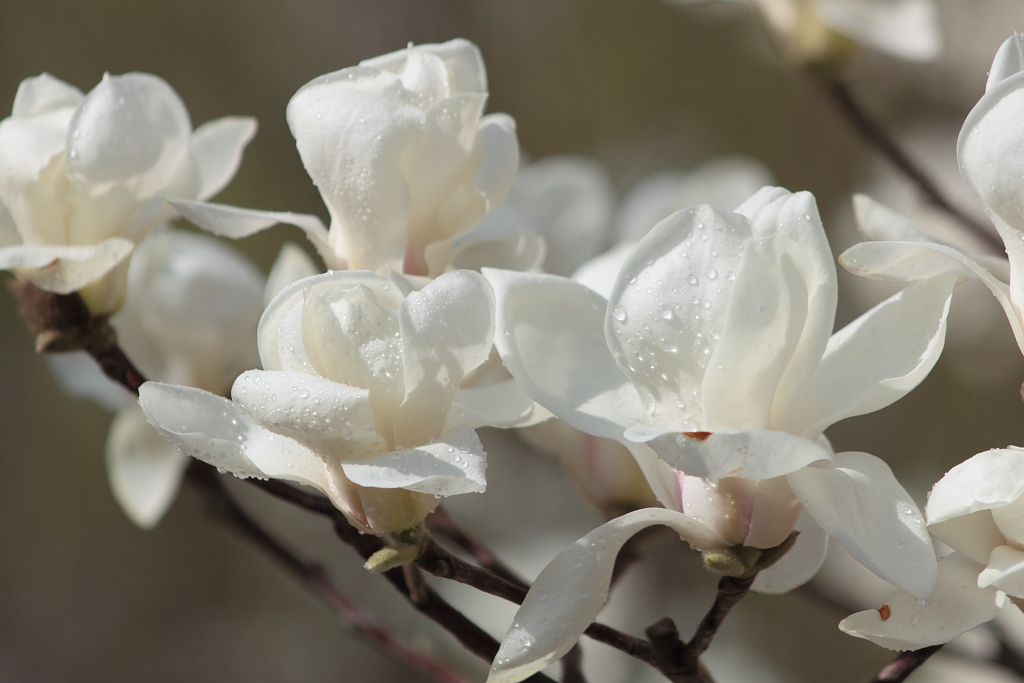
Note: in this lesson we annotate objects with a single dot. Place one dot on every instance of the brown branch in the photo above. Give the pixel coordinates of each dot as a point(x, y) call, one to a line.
point(905, 664)
point(440, 523)
point(730, 591)
point(875, 135)
point(310, 575)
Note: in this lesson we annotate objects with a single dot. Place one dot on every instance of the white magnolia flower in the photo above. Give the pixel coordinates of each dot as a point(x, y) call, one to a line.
point(808, 29)
point(714, 362)
point(976, 509)
point(403, 158)
point(83, 178)
point(992, 165)
point(357, 397)
point(189, 318)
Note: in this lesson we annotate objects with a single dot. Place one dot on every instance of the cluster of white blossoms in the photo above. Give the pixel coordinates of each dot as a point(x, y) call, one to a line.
point(684, 356)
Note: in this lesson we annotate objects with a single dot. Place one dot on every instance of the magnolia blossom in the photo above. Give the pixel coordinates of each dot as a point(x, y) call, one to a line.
point(189, 318)
point(811, 30)
point(83, 178)
point(357, 395)
point(714, 362)
point(976, 510)
point(403, 158)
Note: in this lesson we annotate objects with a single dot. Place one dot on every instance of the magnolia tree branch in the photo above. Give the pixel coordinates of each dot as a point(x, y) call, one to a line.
point(904, 665)
point(875, 135)
point(439, 522)
point(310, 575)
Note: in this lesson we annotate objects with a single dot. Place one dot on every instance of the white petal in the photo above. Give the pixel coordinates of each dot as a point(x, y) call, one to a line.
point(44, 94)
point(447, 331)
point(905, 28)
point(453, 465)
point(568, 594)
point(333, 420)
point(973, 535)
point(462, 59)
point(751, 454)
point(956, 606)
point(9, 235)
point(993, 170)
point(881, 223)
point(669, 304)
point(799, 564)
point(216, 150)
point(985, 481)
point(496, 404)
point(858, 501)
point(234, 223)
point(1005, 571)
point(354, 130)
point(291, 265)
point(1009, 60)
point(550, 333)
point(145, 471)
point(132, 130)
point(876, 359)
point(63, 270)
point(780, 316)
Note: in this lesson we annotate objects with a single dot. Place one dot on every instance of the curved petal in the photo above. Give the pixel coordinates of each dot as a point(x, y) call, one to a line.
point(751, 454)
point(44, 94)
point(956, 606)
point(451, 466)
point(1005, 571)
point(216, 147)
point(668, 307)
point(461, 58)
point(447, 331)
point(878, 358)
point(780, 316)
point(131, 130)
point(858, 501)
point(218, 432)
point(799, 564)
point(354, 129)
point(1009, 60)
point(911, 261)
point(601, 272)
point(568, 594)
point(64, 270)
point(333, 420)
point(549, 332)
point(234, 223)
point(993, 169)
point(497, 404)
point(987, 480)
point(144, 470)
point(973, 535)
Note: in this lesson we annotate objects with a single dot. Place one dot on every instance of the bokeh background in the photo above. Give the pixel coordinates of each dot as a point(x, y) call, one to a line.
point(641, 86)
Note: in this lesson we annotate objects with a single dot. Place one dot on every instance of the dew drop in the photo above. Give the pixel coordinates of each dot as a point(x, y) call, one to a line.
point(711, 273)
point(619, 313)
point(665, 312)
point(915, 620)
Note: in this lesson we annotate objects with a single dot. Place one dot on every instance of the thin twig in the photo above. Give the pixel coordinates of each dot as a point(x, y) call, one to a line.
point(730, 591)
point(905, 664)
point(872, 132)
point(310, 575)
point(439, 522)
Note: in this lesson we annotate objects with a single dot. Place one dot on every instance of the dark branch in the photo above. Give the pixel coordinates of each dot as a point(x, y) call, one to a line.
point(440, 523)
point(875, 135)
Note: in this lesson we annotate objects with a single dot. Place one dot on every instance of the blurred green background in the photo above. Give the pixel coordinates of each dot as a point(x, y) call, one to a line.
point(640, 85)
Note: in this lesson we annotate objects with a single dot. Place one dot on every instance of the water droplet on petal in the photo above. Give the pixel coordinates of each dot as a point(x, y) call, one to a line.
point(619, 313)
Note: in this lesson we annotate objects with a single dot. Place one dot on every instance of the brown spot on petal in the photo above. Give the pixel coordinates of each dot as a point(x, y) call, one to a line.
point(700, 436)
point(884, 612)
